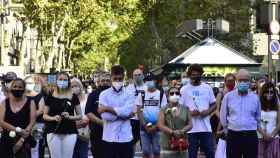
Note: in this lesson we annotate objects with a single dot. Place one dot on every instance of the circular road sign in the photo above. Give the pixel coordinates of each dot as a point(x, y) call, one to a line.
point(274, 46)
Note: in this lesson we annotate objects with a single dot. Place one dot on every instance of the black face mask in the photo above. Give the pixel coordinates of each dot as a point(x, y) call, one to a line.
point(17, 93)
point(196, 79)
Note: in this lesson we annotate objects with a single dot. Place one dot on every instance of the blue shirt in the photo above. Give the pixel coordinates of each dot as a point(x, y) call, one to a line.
point(116, 129)
point(240, 113)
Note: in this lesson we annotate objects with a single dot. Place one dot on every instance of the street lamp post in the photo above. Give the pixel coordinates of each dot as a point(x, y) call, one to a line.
point(273, 35)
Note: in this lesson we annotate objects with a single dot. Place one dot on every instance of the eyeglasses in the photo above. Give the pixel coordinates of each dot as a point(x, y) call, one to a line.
point(172, 93)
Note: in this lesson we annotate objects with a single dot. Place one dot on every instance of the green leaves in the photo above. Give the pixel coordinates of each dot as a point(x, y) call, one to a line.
point(100, 33)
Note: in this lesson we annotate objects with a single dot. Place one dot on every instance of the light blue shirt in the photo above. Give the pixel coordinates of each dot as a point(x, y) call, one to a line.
point(240, 113)
point(116, 129)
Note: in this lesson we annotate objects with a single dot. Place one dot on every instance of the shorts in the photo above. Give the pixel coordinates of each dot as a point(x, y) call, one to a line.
point(150, 143)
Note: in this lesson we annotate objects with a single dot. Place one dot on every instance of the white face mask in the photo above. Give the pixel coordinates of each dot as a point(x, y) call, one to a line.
point(185, 81)
point(89, 90)
point(30, 87)
point(174, 98)
point(8, 85)
point(76, 90)
point(117, 85)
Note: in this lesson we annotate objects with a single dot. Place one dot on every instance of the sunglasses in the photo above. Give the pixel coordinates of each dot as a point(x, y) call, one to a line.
point(172, 93)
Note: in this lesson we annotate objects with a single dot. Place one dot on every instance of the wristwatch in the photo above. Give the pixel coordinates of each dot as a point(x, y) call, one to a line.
point(18, 129)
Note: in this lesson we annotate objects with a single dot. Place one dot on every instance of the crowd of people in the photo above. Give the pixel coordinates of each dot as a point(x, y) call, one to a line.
point(186, 118)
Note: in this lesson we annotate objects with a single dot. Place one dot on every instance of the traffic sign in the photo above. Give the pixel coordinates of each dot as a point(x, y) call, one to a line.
point(274, 46)
point(274, 27)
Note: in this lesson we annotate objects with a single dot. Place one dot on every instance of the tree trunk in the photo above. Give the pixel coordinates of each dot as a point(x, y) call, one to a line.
point(55, 45)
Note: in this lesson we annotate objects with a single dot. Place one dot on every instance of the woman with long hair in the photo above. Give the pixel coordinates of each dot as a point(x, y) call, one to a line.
point(82, 144)
point(61, 112)
point(17, 117)
point(270, 122)
point(229, 85)
point(174, 122)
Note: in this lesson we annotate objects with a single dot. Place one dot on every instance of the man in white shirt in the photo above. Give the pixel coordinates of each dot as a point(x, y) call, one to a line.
point(116, 109)
point(148, 107)
point(136, 88)
point(204, 103)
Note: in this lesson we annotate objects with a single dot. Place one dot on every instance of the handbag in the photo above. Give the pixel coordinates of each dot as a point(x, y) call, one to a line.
point(221, 149)
point(178, 144)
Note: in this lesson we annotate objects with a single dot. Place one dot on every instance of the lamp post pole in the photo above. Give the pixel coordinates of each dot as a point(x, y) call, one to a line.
point(273, 35)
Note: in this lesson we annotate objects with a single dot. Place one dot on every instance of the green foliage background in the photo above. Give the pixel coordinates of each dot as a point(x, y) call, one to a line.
point(100, 33)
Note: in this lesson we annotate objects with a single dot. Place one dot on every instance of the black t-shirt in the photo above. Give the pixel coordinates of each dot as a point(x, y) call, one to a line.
point(56, 107)
point(91, 107)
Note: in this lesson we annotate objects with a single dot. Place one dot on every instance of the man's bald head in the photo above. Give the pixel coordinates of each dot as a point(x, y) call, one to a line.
point(138, 76)
point(243, 75)
point(137, 71)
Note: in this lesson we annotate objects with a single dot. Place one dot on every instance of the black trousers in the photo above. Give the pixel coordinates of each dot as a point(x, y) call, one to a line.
point(97, 146)
point(118, 150)
point(135, 125)
point(242, 144)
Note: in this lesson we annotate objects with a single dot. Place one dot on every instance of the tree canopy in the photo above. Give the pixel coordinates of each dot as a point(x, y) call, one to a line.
point(86, 35)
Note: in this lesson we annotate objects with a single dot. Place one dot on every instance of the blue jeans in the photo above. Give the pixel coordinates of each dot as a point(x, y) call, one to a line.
point(81, 149)
point(204, 140)
point(150, 143)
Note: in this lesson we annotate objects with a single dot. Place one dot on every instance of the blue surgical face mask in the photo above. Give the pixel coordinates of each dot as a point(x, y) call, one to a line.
point(150, 84)
point(62, 84)
point(139, 79)
point(185, 81)
point(243, 87)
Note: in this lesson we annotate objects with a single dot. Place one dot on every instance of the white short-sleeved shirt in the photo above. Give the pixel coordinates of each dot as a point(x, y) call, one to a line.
point(151, 105)
point(115, 129)
point(135, 91)
point(198, 98)
point(268, 121)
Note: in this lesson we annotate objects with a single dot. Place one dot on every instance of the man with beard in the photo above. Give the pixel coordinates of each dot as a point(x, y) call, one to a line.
point(116, 109)
point(204, 103)
point(96, 123)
